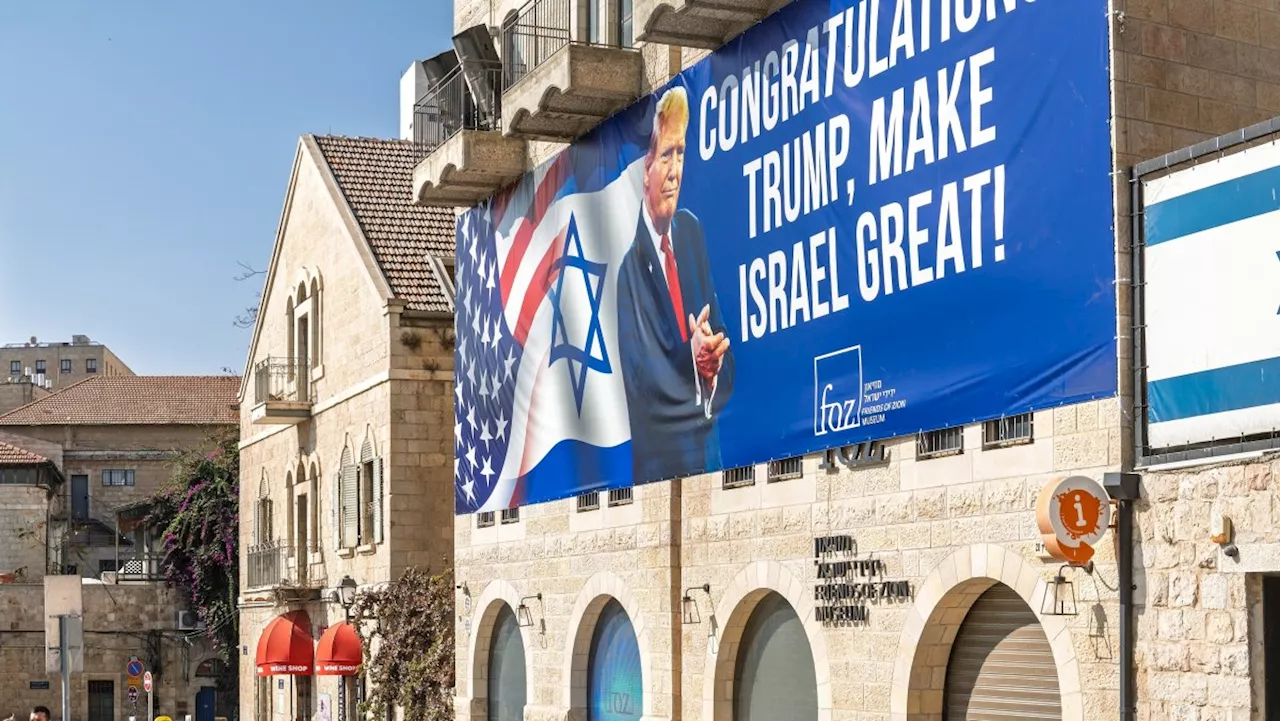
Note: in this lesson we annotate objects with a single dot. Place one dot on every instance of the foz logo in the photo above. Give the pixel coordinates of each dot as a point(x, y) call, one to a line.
point(837, 390)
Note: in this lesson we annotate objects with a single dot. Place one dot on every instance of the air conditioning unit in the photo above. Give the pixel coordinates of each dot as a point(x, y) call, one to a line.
point(189, 621)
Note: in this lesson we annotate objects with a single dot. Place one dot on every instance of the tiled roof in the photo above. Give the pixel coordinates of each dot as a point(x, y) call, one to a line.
point(15, 456)
point(135, 400)
point(376, 176)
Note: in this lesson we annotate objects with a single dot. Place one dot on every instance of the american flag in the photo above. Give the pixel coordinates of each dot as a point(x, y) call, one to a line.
point(498, 301)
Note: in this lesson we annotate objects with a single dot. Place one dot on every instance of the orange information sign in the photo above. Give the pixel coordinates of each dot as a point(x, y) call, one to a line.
point(1073, 515)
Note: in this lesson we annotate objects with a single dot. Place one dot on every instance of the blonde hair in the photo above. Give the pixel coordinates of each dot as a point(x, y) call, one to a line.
point(672, 106)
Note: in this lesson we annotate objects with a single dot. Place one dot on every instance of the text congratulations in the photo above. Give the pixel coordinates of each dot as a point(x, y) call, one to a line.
point(914, 126)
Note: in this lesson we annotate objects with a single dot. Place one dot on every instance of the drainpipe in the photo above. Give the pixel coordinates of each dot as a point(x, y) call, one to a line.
point(1123, 488)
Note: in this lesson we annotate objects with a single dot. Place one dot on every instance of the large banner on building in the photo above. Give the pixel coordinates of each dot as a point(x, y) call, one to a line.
point(1212, 265)
point(856, 221)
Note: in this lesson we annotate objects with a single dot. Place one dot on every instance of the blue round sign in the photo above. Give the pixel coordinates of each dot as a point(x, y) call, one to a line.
point(135, 667)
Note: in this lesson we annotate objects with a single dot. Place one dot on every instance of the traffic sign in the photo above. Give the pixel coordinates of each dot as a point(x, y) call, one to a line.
point(133, 695)
point(134, 668)
point(146, 681)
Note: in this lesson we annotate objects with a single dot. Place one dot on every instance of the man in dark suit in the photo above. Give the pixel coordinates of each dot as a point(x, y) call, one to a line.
point(677, 368)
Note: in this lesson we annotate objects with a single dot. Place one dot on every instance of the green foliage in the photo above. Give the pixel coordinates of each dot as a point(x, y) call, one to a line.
point(197, 516)
point(413, 668)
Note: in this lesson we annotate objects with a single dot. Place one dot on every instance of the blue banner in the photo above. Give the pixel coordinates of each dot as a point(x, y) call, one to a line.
point(858, 220)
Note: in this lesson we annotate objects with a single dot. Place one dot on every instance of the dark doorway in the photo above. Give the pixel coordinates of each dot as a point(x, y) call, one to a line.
point(206, 701)
point(102, 701)
point(80, 496)
point(1271, 644)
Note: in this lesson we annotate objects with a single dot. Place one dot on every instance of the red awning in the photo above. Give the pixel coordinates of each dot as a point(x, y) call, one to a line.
point(339, 651)
point(284, 649)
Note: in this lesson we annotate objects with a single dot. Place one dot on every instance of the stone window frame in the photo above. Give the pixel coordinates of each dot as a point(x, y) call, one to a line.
point(598, 591)
point(751, 584)
point(496, 594)
point(941, 603)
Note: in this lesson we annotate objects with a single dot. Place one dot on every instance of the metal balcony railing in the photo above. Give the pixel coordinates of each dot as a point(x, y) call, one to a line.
point(538, 31)
point(450, 107)
point(543, 27)
point(139, 567)
point(266, 567)
point(281, 379)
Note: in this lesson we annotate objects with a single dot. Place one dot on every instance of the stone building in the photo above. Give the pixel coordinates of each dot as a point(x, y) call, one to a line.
point(1207, 447)
point(56, 365)
point(79, 465)
point(345, 411)
point(697, 594)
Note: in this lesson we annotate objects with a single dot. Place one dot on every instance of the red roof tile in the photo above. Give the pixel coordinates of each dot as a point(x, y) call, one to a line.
point(376, 176)
point(14, 456)
point(135, 400)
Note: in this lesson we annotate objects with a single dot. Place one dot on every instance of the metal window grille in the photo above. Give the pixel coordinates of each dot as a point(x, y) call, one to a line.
point(944, 442)
point(1008, 431)
point(484, 520)
point(739, 477)
point(620, 496)
point(786, 469)
point(589, 501)
point(511, 515)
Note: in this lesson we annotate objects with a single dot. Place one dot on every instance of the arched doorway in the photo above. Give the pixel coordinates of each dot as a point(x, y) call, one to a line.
point(774, 676)
point(1001, 664)
point(507, 684)
point(614, 681)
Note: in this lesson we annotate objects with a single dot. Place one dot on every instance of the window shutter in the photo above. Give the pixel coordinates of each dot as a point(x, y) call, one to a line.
point(257, 523)
point(377, 500)
point(333, 510)
point(350, 506)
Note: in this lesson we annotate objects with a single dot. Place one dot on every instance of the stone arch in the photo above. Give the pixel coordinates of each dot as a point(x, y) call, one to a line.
point(942, 601)
point(484, 616)
point(757, 580)
point(599, 590)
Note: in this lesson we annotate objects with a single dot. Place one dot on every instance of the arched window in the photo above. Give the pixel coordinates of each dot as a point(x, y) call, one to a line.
point(262, 514)
point(615, 691)
point(313, 485)
point(774, 676)
point(507, 683)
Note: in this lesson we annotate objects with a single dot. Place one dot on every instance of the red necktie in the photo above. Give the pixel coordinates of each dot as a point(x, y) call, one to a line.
point(673, 287)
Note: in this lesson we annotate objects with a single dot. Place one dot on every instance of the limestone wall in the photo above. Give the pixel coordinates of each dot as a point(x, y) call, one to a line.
point(1200, 616)
point(947, 526)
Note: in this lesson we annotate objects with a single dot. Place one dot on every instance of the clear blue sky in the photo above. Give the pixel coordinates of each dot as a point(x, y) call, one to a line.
point(145, 148)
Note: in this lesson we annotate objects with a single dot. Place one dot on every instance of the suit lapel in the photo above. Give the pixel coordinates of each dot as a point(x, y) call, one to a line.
point(651, 262)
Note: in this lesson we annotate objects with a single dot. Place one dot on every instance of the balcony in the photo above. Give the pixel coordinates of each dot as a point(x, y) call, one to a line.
point(139, 567)
point(462, 155)
point(273, 565)
point(281, 392)
point(556, 87)
point(706, 24)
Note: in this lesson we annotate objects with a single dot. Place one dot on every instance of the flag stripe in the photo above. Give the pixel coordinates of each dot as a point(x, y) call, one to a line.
point(547, 191)
point(543, 277)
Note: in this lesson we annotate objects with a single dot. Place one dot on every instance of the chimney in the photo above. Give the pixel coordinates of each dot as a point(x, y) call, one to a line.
point(413, 85)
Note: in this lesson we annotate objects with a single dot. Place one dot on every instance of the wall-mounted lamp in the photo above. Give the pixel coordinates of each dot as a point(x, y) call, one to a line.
point(689, 607)
point(1222, 532)
point(523, 617)
point(1064, 593)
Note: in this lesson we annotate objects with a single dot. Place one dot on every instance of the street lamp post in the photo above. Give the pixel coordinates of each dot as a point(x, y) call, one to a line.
point(346, 597)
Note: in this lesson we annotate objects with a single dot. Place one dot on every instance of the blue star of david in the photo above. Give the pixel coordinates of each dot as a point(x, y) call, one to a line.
point(578, 360)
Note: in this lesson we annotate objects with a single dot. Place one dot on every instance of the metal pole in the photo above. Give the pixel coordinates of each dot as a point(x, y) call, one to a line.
point(66, 668)
point(1124, 529)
